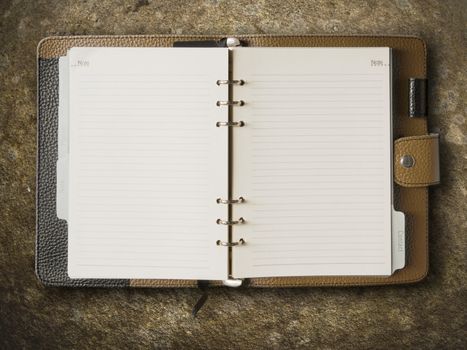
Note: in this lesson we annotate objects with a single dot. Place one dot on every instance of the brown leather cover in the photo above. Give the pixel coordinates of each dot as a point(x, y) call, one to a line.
point(410, 62)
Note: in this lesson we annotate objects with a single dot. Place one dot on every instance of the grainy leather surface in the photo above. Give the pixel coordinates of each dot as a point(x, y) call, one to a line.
point(51, 237)
point(410, 59)
point(425, 152)
point(168, 283)
point(417, 97)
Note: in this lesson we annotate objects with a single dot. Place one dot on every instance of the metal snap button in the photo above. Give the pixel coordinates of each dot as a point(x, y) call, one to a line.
point(407, 161)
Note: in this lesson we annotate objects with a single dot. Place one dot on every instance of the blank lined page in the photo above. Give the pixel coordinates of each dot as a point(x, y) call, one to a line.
point(147, 163)
point(313, 161)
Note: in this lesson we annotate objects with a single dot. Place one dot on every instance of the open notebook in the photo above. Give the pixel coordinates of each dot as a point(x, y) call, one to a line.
point(176, 164)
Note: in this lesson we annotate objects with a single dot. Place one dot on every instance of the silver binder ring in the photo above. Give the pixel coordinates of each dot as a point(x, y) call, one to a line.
point(230, 103)
point(240, 124)
point(230, 82)
point(230, 201)
point(230, 222)
point(241, 241)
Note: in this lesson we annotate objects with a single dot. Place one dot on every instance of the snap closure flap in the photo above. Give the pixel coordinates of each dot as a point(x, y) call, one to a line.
point(416, 160)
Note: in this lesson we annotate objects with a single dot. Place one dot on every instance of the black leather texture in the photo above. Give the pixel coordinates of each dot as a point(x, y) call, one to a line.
point(418, 97)
point(51, 232)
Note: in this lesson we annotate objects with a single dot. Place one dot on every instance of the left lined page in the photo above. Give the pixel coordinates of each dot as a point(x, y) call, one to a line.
point(146, 163)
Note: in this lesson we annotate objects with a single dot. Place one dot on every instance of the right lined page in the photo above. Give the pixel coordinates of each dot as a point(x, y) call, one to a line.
point(313, 162)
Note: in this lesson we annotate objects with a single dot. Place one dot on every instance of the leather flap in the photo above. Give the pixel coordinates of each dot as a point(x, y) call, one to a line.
point(416, 161)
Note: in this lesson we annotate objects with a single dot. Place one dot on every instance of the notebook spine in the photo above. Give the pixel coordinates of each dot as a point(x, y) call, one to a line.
point(230, 123)
point(230, 103)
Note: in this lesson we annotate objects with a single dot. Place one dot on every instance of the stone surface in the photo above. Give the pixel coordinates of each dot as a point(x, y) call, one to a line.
point(431, 314)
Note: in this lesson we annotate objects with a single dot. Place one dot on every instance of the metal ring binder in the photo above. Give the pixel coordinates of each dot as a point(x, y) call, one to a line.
point(240, 124)
point(230, 82)
point(241, 241)
point(230, 201)
point(230, 222)
point(230, 103)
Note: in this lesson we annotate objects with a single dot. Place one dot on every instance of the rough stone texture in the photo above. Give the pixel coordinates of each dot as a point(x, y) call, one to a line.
point(431, 314)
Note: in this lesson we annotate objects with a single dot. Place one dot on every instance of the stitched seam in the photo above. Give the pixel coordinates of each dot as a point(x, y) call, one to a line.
point(417, 184)
point(417, 137)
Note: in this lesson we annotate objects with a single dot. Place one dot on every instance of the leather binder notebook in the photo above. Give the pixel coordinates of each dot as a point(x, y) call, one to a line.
point(264, 161)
